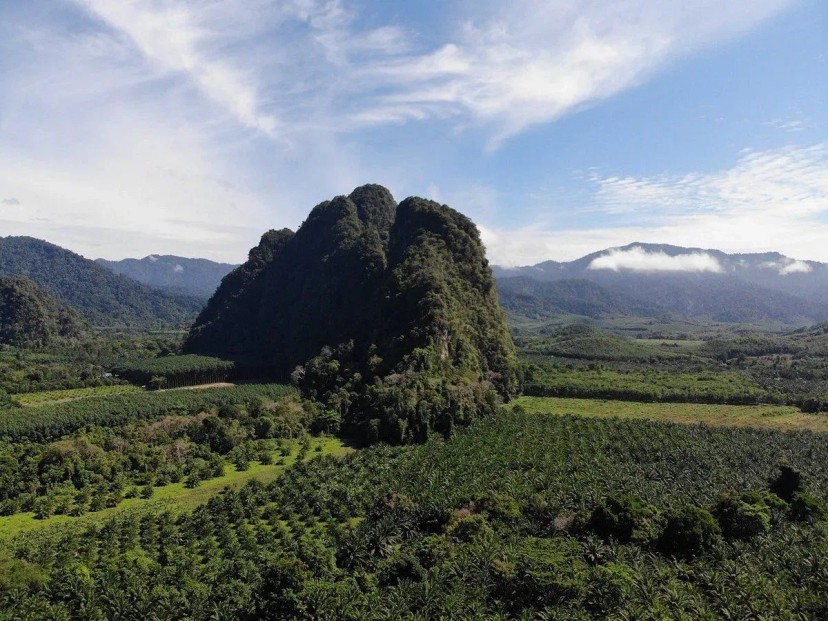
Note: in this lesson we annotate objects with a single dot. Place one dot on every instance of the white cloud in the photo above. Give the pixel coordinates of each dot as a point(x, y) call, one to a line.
point(774, 200)
point(507, 66)
point(788, 266)
point(173, 36)
point(637, 259)
point(796, 267)
point(515, 64)
point(178, 268)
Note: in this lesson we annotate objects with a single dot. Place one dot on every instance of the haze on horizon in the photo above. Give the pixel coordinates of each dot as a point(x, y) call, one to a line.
point(561, 128)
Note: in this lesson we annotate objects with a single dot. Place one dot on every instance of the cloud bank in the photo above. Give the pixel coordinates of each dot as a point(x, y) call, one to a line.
point(637, 259)
point(772, 200)
point(788, 266)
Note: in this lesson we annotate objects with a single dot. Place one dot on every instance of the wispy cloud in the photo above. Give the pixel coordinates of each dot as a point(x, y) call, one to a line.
point(769, 200)
point(122, 119)
point(507, 66)
point(177, 38)
point(512, 65)
point(791, 181)
point(637, 259)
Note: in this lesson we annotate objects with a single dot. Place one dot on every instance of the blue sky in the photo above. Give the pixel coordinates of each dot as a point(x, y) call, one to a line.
point(560, 126)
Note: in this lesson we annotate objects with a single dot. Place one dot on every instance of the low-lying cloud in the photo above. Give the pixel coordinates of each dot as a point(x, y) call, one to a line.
point(787, 266)
point(639, 260)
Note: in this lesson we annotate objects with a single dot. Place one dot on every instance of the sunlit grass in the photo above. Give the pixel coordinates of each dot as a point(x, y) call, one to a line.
point(780, 418)
point(177, 496)
point(51, 396)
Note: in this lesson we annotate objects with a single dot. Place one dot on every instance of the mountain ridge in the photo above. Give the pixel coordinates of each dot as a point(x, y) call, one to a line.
point(181, 275)
point(99, 295)
point(688, 282)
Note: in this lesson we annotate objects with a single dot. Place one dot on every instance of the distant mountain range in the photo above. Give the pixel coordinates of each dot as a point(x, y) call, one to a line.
point(642, 280)
point(197, 277)
point(654, 280)
point(101, 296)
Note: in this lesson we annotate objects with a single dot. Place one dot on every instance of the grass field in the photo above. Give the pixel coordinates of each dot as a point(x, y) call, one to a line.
point(179, 497)
point(780, 418)
point(53, 396)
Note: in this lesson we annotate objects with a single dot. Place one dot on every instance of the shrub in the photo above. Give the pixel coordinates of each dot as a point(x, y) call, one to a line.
point(402, 568)
point(689, 532)
point(624, 518)
point(807, 508)
point(469, 528)
point(500, 506)
point(739, 519)
point(787, 483)
point(608, 588)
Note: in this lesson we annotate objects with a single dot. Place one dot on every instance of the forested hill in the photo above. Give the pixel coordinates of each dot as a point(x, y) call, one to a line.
point(390, 312)
point(29, 317)
point(653, 280)
point(99, 295)
point(197, 277)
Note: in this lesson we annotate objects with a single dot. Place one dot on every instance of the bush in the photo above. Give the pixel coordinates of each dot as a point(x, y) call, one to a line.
point(500, 506)
point(787, 483)
point(403, 568)
point(807, 508)
point(624, 518)
point(608, 588)
point(689, 532)
point(739, 519)
point(469, 528)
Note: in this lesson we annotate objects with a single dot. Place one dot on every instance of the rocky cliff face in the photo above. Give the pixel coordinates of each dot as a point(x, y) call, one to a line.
point(389, 312)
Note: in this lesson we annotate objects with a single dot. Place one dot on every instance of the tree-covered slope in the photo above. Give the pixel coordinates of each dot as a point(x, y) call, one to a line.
point(389, 311)
point(198, 277)
point(29, 317)
point(102, 297)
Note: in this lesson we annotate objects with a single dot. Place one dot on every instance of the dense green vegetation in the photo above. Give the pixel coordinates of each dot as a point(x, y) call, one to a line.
point(389, 312)
point(523, 516)
point(99, 295)
point(78, 364)
point(142, 440)
point(597, 381)
point(586, 342)
point(584, 361)
point(175, 371)
point(30, 318)
point(51, 421)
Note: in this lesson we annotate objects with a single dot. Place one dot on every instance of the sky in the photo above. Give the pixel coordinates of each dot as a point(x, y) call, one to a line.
point(561, 127)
